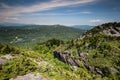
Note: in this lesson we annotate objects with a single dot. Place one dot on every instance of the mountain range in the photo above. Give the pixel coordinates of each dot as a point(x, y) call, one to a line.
point(84, 27)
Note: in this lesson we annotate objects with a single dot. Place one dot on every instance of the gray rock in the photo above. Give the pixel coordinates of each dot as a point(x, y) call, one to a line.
point(30, 76)
point(66, 57)
point(113, 70)
point(5, 58)
point(99, 71)
point(2, 61)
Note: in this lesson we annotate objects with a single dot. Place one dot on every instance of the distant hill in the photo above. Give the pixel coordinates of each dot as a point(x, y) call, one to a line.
point(84, 27)
point(5, 24)
point(37, 33)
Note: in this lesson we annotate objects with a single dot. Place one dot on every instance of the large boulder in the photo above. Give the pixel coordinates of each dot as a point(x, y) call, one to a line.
point(66, 58)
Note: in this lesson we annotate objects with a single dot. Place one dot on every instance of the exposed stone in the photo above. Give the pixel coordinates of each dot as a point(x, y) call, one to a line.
point(110, 30)
point(66, 58)
point(98, 70)
point(2, 61)
point(30, 77)
point(83, 55)
point(113, 70)
point(5, 58)
point(8, 56)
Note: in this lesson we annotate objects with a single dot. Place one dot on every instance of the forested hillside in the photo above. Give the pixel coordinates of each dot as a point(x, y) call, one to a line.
point(27, 36)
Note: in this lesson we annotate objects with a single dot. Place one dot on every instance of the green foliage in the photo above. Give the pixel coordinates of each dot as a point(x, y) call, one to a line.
point(6, 49)
point(53, 42)
point(17, 66)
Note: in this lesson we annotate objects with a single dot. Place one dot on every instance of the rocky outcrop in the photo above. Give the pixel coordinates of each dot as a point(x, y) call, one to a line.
point(5, 58)
point(30, 76)
point(66, 57)
point(112, 31)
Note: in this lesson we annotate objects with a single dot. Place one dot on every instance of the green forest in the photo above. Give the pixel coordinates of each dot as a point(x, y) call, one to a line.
point(28, 36)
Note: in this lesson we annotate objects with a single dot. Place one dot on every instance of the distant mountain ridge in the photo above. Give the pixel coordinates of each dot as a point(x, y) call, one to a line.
point(84, 27)
point(6, 24)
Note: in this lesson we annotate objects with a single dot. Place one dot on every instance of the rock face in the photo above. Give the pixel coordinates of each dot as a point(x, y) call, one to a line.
point(112, 31)
point(5, 58)
point(66, 58)
point(30, 77)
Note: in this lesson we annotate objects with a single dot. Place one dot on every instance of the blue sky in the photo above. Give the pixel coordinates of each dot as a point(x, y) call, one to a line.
point(65, 12)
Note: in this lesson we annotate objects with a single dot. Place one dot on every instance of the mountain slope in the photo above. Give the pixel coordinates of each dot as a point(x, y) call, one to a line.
point(98, 51)
point(35, 34)
point(32, 65)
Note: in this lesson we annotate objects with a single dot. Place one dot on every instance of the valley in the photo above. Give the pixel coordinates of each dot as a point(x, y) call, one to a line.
point(27, 36)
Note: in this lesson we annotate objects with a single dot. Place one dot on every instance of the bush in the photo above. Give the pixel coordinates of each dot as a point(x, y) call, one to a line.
point(17, 66)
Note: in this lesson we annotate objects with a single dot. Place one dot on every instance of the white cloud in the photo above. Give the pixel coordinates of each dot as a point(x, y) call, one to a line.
point(46, 14)
point(86, 12)
point(95, 20)
point(8, 18)
point(11, 11)
point(42, 21)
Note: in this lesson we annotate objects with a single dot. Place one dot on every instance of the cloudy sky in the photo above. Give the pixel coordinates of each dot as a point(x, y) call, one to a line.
point(65, 12)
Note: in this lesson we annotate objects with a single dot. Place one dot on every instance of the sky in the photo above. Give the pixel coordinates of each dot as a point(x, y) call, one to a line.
point(64, 12)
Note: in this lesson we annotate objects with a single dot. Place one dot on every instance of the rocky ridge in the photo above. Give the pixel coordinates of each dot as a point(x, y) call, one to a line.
point(109, 30)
